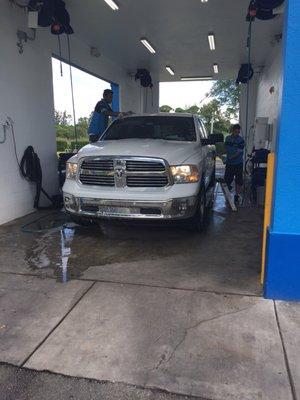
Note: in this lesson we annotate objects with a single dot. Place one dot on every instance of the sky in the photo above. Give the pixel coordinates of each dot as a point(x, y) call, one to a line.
point(181, 94)
point(88, 91)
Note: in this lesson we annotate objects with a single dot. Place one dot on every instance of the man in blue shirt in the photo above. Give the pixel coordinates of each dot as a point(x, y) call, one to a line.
point(101, 114)
point(235, 145)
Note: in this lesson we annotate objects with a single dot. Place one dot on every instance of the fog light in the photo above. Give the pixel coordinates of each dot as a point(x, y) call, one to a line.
point(183, 207)
point(70, 202)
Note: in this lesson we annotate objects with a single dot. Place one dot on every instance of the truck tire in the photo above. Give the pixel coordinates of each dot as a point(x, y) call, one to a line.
point(198, 221)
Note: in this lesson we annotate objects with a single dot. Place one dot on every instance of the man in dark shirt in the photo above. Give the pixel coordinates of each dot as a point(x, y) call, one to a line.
point(100, 118)
point(235, 145)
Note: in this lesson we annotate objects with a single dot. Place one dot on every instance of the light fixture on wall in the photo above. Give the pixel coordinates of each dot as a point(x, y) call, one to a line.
point(148, 46)
point(211, 41)
point(170, 70)
point(196, 78)
point(112, 4)
point(216, 68)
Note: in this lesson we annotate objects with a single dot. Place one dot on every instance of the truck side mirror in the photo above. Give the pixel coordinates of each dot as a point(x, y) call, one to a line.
point(213, 139)
point(216, 138)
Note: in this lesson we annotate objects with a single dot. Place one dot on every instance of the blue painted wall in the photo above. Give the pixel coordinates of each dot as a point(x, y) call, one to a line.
point(283, 253)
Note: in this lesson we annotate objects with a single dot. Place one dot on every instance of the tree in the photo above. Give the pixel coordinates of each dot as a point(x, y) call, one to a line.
point(165, 109)
point(180, 110)
point(228, 95)
point(212, 112)
point(193, 109)
point(62, 118)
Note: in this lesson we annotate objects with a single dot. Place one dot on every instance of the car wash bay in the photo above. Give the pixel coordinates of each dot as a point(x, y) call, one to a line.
point(144, 305)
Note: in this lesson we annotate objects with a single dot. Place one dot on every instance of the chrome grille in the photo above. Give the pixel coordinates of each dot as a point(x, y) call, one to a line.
point(122, 172)
point(137, 165)
point(98, 164)
point(147, 181)
point(98, 180)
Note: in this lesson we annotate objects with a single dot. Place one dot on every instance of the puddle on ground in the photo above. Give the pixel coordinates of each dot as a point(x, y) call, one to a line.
point(70, 249)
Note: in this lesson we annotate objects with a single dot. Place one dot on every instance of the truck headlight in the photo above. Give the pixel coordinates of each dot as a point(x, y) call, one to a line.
point(185, 173)
point(71, 171)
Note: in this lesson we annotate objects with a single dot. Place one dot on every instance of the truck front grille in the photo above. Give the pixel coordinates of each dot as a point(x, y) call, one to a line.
point(150, 166)
point(98, 180)
point(122, 172)
point(98, 164)
point(147, 181)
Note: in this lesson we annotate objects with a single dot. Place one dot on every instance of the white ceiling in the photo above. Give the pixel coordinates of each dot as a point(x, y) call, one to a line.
point(178, 30)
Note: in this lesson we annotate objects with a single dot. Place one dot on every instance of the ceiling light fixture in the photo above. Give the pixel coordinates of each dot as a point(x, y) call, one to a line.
point(170, 70)
point(216, 68)
point(112, 4)
point(211, 41)
point(196, 78)
point(204, 1)
point(148, 45)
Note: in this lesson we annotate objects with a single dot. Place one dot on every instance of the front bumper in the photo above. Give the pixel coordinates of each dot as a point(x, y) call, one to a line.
point(172, 209)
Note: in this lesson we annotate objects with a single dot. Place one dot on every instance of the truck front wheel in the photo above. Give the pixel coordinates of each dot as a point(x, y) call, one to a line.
point(197, 223)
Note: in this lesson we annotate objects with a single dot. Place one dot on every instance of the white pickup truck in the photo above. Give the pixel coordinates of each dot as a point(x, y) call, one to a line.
point(148, 167)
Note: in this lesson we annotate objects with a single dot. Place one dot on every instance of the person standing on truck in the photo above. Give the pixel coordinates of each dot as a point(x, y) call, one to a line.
point(101, 114)
point(235, 145)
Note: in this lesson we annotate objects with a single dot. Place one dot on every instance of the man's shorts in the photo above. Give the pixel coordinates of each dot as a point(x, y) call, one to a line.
point(234, 172)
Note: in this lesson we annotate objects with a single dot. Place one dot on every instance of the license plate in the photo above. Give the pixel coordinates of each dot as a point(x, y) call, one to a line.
point(117, 210)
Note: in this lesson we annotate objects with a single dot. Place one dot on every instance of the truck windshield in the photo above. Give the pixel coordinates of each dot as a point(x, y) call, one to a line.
point(180, 129)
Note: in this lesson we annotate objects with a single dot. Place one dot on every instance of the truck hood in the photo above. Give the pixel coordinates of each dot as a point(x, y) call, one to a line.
point(173, 152)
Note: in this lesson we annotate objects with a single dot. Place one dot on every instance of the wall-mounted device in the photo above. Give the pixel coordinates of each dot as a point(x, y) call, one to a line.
point(263, 133)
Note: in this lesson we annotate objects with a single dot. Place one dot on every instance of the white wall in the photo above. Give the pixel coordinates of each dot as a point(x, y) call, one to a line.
point(26, 95)
point(253, 86)
point(268, 102)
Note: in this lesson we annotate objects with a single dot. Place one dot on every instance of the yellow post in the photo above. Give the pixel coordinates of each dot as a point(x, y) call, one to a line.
point(268, 207)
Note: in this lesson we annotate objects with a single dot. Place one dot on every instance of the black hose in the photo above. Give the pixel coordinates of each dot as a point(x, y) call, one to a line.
point(31, 170)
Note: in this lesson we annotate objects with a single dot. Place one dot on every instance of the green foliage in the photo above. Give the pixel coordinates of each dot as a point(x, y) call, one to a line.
point(180, 110)
point(193, 109)
point(61, 145)
point(228, 95)
point(80, 143)
point(62, 118)
point(209, 112)
point(212, 112)
point(165, 109)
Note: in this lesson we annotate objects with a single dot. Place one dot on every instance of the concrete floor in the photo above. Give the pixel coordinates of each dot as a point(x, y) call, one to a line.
point(142, 308)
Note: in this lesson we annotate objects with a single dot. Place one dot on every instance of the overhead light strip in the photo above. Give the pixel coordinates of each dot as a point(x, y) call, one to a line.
point(211, 41)
point(170, 70)
point(112, 4)
point(148, 45)
point(216, 68)
point(196, 78)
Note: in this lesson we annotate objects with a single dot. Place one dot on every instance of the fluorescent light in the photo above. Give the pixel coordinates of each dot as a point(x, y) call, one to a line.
point(195, 78)
point(148, 45)
point(112, 4)
point(169, 69)
point(216, 68)
point(211, 41)
point(204, 1)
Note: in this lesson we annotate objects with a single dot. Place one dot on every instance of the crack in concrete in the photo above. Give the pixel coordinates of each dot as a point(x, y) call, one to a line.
point(196, 326)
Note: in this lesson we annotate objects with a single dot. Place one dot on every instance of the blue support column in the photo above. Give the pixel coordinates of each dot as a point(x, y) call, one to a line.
point(116, 99)
point(283, 246)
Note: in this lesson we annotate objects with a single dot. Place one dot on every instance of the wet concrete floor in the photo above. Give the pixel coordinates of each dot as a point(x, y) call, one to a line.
point(153, 306)
point(226, 257)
